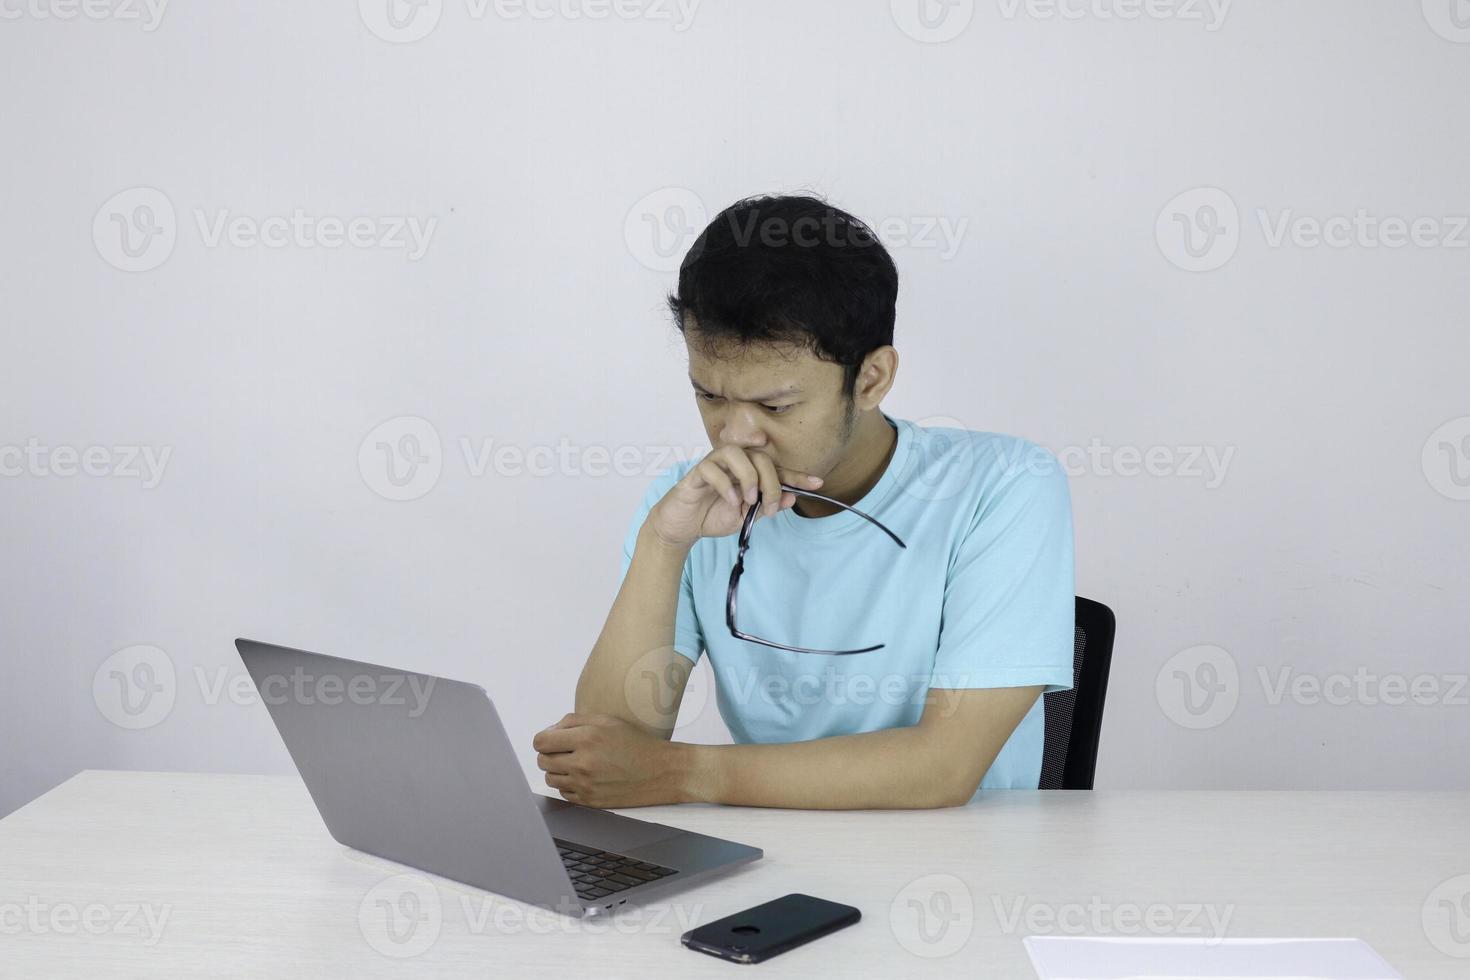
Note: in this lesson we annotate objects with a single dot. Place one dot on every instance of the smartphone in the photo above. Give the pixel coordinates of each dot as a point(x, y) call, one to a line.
point(763, 931)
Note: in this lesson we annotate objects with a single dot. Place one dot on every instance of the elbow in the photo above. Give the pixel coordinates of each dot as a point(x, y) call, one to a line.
point(958, 797)
point(941, 794)
point(949, 785)
point(955, 789)
point(936, 800)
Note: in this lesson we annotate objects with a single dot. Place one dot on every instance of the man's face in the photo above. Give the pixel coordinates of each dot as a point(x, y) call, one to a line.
point(780, 400)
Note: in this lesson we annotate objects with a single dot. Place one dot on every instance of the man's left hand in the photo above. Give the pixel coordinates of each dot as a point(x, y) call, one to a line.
point(606, 761)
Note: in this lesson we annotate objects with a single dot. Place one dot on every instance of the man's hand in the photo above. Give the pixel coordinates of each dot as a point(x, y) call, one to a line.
point(604, 761)
point(712, 498)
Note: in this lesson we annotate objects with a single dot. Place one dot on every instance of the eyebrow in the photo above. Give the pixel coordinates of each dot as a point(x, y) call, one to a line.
point(780, 393)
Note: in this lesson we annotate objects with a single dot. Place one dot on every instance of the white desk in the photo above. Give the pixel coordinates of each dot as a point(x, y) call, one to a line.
point(252, 885)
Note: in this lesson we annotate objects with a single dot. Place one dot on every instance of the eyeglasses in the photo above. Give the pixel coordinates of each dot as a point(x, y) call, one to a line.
point(739, 569)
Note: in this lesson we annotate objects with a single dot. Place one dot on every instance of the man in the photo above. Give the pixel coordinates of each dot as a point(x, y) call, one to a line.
point(786, 305)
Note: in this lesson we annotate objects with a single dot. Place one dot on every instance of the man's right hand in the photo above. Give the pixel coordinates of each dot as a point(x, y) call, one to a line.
point(712, 498)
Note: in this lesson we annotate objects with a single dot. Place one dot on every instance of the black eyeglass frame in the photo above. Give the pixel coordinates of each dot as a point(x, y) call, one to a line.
point(739, 569)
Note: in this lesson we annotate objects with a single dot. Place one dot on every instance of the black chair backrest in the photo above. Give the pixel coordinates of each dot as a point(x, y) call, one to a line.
point(1074, 718)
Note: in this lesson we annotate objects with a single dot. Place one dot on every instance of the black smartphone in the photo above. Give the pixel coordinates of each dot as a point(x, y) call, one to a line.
point(763, 931)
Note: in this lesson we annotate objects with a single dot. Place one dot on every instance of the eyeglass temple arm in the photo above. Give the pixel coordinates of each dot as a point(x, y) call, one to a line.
point(782, 646)
point(837, 503)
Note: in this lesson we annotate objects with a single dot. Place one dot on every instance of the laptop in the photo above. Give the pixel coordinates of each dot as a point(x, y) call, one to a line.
point(418, 769)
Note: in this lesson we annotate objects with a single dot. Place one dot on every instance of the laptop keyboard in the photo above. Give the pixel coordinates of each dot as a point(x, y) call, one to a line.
point(597, 874)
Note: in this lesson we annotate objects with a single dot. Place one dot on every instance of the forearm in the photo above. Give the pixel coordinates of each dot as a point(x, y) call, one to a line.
point(895, 768)
point(637, 642)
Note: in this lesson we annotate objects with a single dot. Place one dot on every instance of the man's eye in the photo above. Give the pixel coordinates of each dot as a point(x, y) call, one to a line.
point(773, 409)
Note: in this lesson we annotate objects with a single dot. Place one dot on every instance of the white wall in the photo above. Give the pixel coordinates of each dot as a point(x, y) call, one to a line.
point(1332, 542)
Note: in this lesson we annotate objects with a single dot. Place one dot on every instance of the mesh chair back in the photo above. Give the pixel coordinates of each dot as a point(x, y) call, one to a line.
point(1074, 718)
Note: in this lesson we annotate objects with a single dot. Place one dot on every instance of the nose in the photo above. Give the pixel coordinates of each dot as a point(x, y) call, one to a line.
point(741, 428)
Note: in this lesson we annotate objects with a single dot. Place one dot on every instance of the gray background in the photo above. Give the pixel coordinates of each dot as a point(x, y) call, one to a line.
point(564, 160)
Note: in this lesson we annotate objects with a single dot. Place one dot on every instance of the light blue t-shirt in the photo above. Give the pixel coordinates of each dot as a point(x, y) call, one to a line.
point(983, 596)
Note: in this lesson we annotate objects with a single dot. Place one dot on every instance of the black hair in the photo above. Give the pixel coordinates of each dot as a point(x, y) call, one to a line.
point(790, 269)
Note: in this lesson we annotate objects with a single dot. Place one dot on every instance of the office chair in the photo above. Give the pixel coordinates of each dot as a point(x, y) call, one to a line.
point(1074, 718)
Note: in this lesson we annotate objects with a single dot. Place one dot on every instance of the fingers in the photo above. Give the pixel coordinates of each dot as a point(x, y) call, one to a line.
point(770, 483)
point(554, 740)
point(741, 469)
point(749, 471)
point(568, 734)
point(796, 478)
point(552, 763)
point(716, 476)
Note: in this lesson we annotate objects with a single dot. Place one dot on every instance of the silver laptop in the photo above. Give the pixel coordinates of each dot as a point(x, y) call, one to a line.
point(418, 769)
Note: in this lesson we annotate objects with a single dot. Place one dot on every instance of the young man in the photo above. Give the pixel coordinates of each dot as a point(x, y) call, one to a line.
point(786, 305)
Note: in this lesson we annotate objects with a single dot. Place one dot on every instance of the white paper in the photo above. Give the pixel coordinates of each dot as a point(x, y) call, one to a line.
point(1120, 958)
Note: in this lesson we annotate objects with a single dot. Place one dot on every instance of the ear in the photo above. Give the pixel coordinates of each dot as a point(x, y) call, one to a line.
point(876, 376)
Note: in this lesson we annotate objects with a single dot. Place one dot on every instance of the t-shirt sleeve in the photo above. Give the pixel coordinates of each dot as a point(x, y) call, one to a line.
point(1010, 600)
point(688, 637)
